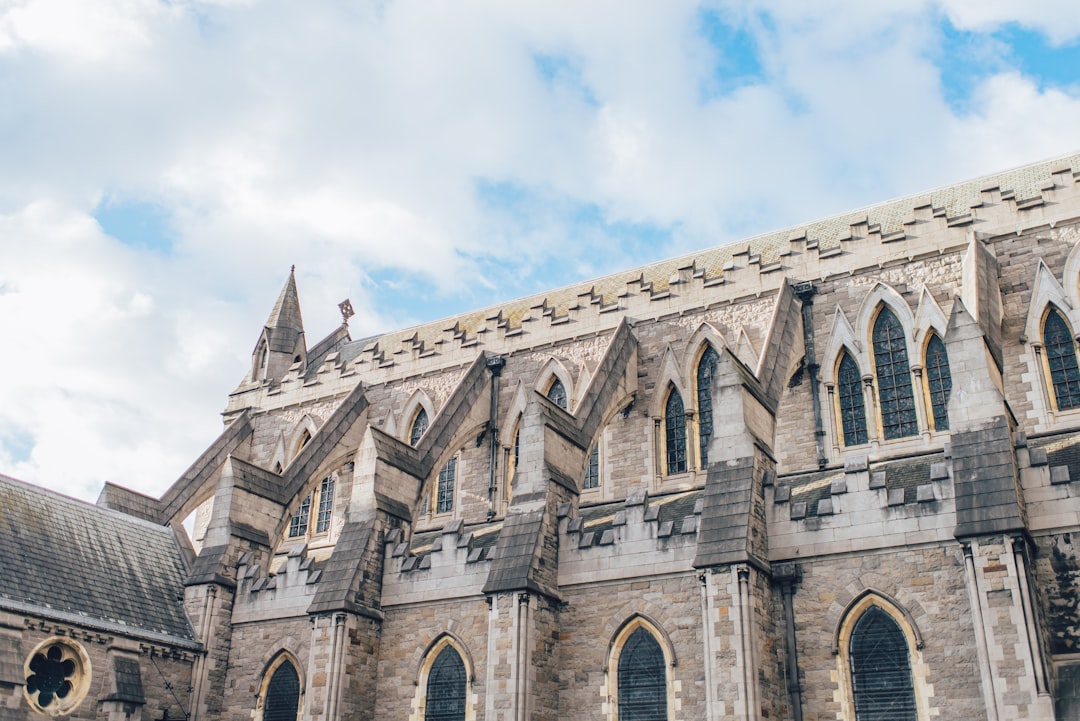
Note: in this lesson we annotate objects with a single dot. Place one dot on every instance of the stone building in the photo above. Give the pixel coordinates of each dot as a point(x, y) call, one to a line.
point(831, 472)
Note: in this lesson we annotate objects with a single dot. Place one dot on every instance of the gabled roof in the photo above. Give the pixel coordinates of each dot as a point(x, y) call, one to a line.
point(91, 566)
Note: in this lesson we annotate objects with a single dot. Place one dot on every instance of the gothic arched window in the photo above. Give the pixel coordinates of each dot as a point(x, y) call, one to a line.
point(705, 371)
point(642, 679)
point(675, 433)
point(444, 498)
point(446, 687)
point(282, 701)
point(557, 394)
point(419, 425)
point(852, 404)
point(896, 399)
point(938, 382)
point(1061, 360)
point(881, 682)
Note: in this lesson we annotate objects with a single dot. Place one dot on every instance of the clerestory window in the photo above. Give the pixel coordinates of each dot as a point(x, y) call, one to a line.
point(675, 433)
point(895, 395)
point(557, 394)
point(1060, 348)
point(938, 382)
point(705, 371)
point(419, 426)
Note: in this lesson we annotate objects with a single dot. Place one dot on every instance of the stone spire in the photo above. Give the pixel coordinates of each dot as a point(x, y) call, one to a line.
point(282, 341)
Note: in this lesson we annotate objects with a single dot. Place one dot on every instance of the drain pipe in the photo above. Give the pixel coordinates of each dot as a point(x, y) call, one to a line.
point(805, 293)
point(788, 575)
point(495, 365)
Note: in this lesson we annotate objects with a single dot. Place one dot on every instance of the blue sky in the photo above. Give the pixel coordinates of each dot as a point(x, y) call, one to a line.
point(165, 163)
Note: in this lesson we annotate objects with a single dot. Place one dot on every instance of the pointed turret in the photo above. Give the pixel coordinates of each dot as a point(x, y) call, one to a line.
point(282, 341)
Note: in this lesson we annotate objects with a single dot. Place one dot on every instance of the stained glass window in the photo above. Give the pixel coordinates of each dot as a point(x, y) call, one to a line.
point(1061, 357)
point(896, 398)
point(326, 505)
point(444, 502)
point(299, 524)
point(282, 694)
point(852, 404)
point(592, 471)
point(642, 679)
point(938, 381)
point(705, 370)
point(880, 669)
point(419, 425)
point(675, 433)
point(446, 688)
point(557, 394)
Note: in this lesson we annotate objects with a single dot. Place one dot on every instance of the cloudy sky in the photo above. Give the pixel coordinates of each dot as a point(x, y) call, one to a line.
point(163, 163)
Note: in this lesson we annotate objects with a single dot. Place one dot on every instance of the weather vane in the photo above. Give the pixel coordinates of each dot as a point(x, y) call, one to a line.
point(346, 309)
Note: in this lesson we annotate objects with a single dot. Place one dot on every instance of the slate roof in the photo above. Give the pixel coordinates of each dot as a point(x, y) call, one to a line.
point(84, 564)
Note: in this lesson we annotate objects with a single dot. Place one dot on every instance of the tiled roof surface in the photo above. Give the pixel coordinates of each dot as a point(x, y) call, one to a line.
point(952, 200)
point(60, 554)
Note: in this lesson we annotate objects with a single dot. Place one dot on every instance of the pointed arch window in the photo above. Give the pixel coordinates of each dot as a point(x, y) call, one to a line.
point(444, 499)
point(1061, 360)
point(642, 679)
point(705, 371)
point(592, 469)
point(419, 426)
point(557, 394)
point(881, 681)
point(852, 403)
point(938, 382)
point(282, 701)
point(675, 433)
point(446, 687)
point(895, 396)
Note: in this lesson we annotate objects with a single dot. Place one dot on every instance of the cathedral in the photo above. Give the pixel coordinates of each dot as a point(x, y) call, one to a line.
point(825, 473)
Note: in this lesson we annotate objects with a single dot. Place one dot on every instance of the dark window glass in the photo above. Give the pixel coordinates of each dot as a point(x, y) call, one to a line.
point(282, 694)
point(592, 471)
point(705, 370)
point(852, 405)
point(557, 394)
point(938, 382)
point(894, 379)
point(419, 425)
point(447, 476)
point(326, 505)
point(446, 688)
point(880, 669)
point(1061, 357)
point(299, 524)
point(675, 433)
point(642, 679)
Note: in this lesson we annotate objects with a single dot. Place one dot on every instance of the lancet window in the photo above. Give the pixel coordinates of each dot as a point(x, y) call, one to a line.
point(419, 426)
point(895, 395)
point(446, 687)
point(881, 681)
point(1060, 348)
point(852, 403)
point(642, 679)
point(705, 371)
point(675, 433)
point(938, 382)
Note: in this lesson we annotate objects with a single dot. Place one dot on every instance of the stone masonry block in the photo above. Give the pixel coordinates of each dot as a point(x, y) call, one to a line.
point(896, 496)
point(798, 511)
point(1037, 457)
point(838, 486)
point(1059, 474)
point(783, 494)
point(925, 493)
point(825, 507)
point(877, 479)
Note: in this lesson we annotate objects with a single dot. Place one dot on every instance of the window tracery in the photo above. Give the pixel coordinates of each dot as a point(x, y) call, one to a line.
point(446, 687)
point(938, 381)
point(675, 433)
point(419, 426)
point(1060, 349)
point(852, 403)
point(557, 394)
point(881, 681)
point(282, 695)
point(895, 395)
point(705, 371)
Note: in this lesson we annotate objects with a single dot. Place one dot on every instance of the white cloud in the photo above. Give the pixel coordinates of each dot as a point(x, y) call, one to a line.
point(350, 139)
